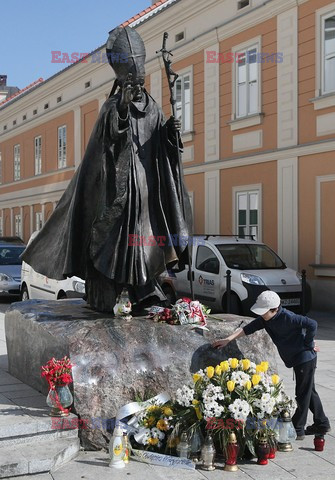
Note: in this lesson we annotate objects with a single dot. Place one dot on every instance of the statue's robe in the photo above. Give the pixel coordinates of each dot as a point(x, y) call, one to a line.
point(125, 193)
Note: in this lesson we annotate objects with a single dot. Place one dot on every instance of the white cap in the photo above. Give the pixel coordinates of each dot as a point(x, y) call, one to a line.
point(265, 301)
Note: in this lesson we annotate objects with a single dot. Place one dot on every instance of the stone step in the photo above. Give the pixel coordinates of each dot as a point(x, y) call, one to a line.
point(23, 428)
point(43, 456)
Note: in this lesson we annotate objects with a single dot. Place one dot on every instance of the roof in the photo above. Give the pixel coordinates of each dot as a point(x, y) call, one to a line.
point(148, 12)
point(141, 17)
point(20, 92)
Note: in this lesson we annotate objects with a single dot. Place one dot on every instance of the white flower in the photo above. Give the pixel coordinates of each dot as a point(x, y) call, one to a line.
point(240, 409)
point(156, 433)
point(184, 396)
point(240, 378)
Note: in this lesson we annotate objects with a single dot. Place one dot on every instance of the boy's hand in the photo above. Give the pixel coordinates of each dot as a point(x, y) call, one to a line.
point(221, 343)
point(316, 348)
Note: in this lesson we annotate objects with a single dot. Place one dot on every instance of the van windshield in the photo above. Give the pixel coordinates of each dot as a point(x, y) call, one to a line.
point(250, 257)
point(10, 255)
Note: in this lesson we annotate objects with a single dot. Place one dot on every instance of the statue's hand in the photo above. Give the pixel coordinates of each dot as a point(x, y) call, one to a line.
point(174, 124)
point(127, 94)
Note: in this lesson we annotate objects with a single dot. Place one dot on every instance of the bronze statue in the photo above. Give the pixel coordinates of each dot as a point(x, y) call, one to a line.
point(120, 222)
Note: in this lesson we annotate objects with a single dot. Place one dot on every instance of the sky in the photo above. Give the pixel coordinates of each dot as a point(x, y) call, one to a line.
point(32, 29)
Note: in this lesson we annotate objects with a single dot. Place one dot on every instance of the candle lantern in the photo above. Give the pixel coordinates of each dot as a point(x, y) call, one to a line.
point(183, 447)
point(286, 432)
point(319, 443)
point(272, 445)
point(231, 450)
point(208, 454)
point(197, 441)
point(262, 449)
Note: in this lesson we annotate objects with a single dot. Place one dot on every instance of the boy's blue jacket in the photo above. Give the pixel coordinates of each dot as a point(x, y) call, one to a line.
point(292, 334)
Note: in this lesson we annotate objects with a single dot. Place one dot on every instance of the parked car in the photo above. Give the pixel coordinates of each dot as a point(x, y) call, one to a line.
point(10, 267)
point(38, 286)
point(254, 267)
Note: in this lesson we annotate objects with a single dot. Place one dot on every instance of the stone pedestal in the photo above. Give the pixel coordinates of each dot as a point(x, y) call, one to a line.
point(117, 361)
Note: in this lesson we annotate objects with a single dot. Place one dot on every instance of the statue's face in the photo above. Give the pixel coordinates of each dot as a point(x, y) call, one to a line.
point(138, 85)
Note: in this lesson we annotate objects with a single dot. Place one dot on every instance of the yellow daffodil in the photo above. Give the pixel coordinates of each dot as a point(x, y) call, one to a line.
point(247, 384)
point(259, 368)
point(210, 372)
point(153, 441)
point(162, 425)
point(167, 411)
point(230, 385)
point(255, 379)
point(218, 370)
point(154, 409)
point(224, 366)
point(196, 377)
point(265, 366)
point(275, 379)
point(233, 362)
point(245, 364)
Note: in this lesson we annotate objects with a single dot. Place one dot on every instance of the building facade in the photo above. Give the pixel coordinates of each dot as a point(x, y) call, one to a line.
point(256, 93)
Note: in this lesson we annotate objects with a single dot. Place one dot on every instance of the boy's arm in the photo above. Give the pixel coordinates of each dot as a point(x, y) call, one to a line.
point(252, 327)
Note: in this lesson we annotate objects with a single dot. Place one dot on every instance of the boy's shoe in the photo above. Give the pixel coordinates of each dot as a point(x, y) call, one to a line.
point(314, 430)
point(300, 437)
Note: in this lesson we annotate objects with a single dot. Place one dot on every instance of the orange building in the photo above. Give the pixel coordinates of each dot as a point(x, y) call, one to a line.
point(256, 91)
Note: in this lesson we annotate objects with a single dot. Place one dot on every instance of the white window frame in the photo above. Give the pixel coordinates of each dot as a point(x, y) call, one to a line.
point(17, 162)
point(247, 189)
point(1, 225)
point(38, 221)
point(0, 168)
point(62, 146)
point(321, 15)
point(243, 47)
point(38, 154)
point(18, 225)
point(323, 59)
point(187, 134)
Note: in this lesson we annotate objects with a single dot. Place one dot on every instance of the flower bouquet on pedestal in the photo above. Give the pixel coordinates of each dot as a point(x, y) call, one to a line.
point(183, 312)
point(58, 375)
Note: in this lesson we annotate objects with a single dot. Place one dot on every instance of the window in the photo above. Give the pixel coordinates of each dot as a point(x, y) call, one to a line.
point(17, 162)
point(35, 111)
point(18, 226)
point(46, 106)
point(1, 226)
point(62, 147)
point(328, 54)
point(87, 84)
point(247, 205)
point(247, 81)
point(0, 168)
point(24, 117)
point(38, 155)
point(59, 99)
point(14, 122)
point(5, 127)
point(38, 221)
point(184, 93)
point(179, 37)
point(242, 4)
point(207, 261)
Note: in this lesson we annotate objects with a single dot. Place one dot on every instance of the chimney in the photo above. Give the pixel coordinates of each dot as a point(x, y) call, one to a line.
point(3, 80)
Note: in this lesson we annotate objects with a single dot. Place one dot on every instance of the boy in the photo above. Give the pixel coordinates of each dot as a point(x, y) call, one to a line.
point(293, 336)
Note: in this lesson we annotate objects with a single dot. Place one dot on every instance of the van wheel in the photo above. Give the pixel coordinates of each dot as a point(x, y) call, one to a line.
point(170, 295)
point(235, 304)
point(61, 296)
point(24, 294)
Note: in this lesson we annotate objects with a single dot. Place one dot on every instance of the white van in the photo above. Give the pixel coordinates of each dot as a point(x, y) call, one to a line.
point(254, 268)
point(38, 286)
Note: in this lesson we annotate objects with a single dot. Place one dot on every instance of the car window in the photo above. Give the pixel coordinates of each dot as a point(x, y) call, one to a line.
point(207, 261)
point(250, 257)
point(10, 255)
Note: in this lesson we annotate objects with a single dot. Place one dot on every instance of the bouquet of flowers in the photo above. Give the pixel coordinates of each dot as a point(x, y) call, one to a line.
point(154, 426)
point(236, 395)
point(57, 372)
point(184, 311)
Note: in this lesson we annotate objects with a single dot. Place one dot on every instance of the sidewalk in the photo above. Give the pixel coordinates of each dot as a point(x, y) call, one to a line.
point(303, 463)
